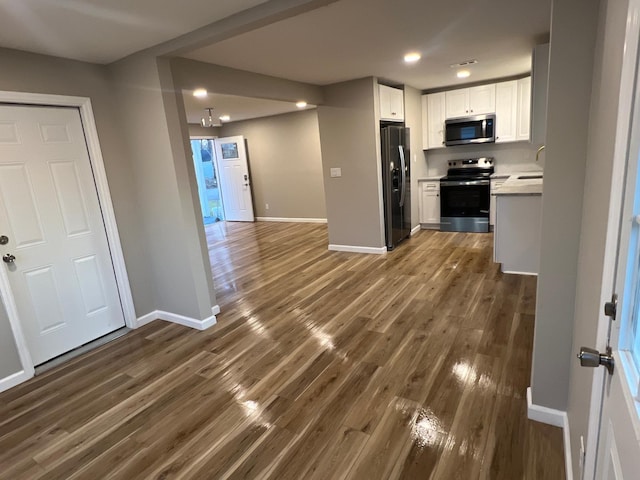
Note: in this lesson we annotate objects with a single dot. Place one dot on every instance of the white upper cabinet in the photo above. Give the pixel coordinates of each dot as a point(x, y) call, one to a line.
point(482, 99)
point(506, 111)
point(471, 101)
point(524, 109)
point(510, 101)
point(433, 117)
point(457, 103)
point(391, 104)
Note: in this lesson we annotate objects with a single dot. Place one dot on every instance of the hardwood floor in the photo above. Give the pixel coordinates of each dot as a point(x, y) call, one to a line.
point(323, 365)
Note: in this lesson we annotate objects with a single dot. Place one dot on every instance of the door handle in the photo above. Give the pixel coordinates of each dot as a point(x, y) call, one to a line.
point(590, 357)
point(8, 258)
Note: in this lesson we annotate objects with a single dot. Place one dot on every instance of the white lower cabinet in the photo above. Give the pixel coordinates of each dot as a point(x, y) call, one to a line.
point(430, 203)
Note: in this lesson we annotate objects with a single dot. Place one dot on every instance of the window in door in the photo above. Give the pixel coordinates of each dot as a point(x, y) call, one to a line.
point(629, 340)
point(207, 178)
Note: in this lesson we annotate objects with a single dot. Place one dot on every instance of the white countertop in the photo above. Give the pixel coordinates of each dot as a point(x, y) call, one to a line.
point(516, 185)
point(431, 178)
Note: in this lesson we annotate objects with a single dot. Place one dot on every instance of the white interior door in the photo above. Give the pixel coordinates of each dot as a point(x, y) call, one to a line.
point(62, 277)
point(615, 411)
point(233, 173)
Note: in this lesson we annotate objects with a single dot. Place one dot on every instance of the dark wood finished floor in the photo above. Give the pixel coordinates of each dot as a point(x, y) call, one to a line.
point(323, 365)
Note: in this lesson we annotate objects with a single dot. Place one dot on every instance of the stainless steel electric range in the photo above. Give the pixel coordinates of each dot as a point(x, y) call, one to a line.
point(465, 195)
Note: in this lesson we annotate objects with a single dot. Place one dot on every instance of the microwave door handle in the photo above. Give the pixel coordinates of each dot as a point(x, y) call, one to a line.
point(404, 174)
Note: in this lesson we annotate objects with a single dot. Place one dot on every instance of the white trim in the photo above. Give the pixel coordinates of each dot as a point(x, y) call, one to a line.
point(108, 214)
point(415, 230)
point(550, 416)
point(180, 319)
point(292, 220)
point(557, 418)
point(354, 249)
point(148, 318)
point(519, 273)
point(15, 379)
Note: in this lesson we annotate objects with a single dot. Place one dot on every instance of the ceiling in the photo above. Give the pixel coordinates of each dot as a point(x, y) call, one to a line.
point(358, 38)
point(238, 108)
point(102, 31)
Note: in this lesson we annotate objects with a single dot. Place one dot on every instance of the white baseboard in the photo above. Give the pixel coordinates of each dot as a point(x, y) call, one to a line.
point(415, 230)
point(557, 418)
point(180, 319)
point(14, 379)
point(354, 249)
point(291, 220)
point(148, 318)
point(515, 272)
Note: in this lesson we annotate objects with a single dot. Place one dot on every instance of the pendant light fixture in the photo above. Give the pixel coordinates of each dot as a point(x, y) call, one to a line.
point(207, 120)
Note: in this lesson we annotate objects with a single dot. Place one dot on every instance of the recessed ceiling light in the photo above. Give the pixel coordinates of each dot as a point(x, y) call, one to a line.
point(225, 118)
point(200, 93)
point(463, 73)
point(301, 104)
point(412, 57)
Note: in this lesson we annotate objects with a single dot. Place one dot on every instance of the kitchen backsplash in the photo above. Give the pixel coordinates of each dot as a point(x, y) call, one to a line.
point(509, 157)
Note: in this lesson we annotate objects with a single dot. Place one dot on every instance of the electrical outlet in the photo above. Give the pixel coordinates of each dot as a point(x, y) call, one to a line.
point(266, 206)
point(336, 172)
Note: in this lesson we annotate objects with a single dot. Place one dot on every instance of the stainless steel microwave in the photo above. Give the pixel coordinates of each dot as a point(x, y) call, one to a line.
point(466, 130)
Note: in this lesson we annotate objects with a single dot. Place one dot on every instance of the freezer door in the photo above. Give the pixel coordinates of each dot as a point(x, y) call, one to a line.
point(394, 185)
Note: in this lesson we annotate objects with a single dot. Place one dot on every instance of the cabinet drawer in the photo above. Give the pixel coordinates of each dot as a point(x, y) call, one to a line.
point(428, 187)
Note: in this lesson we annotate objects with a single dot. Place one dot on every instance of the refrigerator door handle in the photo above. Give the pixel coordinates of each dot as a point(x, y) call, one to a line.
point(404, 174)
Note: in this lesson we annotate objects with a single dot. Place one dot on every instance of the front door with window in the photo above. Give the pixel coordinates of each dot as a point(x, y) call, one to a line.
point(55, 248)
point(233, 169)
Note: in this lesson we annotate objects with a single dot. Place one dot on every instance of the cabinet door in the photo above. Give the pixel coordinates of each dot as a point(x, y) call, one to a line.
point(482, 99)
point(430, 203)
point(524, 109)
point(397, 104)
point(506, 111)
point(457, 103)
point(495, 186)
point(435, 119)
point(391, 103)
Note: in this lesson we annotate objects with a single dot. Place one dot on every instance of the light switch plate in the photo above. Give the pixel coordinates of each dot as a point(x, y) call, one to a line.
point(336, 172)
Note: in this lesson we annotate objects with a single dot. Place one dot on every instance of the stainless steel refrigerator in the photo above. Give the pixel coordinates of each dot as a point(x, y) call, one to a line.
point(396, 184)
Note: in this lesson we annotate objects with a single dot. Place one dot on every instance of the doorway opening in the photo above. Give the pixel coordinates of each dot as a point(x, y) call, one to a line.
point(207, 178)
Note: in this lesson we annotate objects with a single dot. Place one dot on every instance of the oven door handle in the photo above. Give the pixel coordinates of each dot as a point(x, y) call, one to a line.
point(464, 183)
point(404, 175)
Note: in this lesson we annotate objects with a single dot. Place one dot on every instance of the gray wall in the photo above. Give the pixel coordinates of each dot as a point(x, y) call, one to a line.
point(27, 72)
point(9, 358)
point(573, 35)
point(285, 163)
point(413, 120)
point(602, 133)
point(350, 139)
point(156, 137)
point(200, 131)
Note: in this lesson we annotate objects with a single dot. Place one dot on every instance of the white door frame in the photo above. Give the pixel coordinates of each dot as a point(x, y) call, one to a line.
point(623, 128)
point(108, 215)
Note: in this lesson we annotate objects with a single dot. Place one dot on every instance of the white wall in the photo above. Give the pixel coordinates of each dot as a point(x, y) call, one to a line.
point(509, 157)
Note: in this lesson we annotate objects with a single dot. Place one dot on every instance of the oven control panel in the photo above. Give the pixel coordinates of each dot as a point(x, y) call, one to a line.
point(484, 162)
